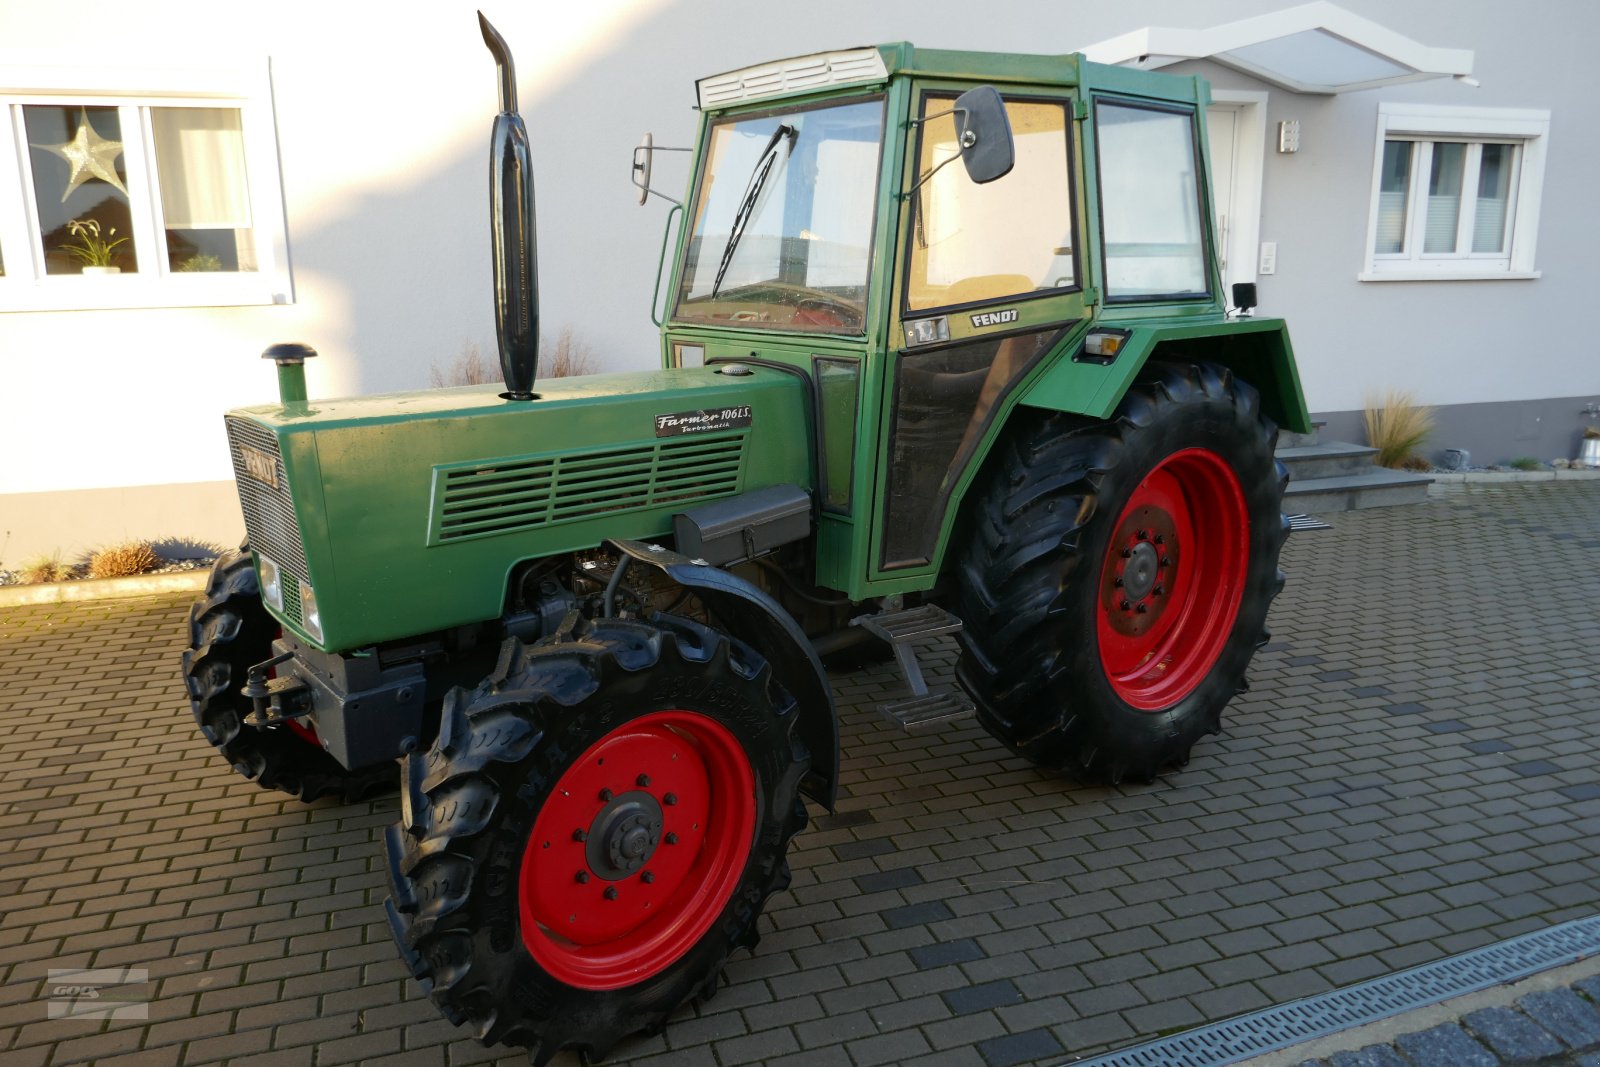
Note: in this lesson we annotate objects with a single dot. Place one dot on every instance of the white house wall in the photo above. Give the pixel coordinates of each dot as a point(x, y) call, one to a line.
point(383, 113)
point(1451, 342)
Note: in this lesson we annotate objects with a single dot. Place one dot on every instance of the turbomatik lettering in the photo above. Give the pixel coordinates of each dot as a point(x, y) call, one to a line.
point(703, 421)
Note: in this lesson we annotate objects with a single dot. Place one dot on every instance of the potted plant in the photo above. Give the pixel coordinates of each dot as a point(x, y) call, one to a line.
point(201, 262)
point(1589, 454)
point(93, 250)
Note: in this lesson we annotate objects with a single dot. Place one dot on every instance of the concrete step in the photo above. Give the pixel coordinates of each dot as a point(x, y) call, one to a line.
point(1287, 439)
point(1376, 487)
point(1326, 460)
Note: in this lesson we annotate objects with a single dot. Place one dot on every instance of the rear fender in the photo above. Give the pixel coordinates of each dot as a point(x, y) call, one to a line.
point(761, 622)
point(1256, 350)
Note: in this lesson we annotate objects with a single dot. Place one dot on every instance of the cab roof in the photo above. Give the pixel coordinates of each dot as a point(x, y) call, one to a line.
point(877, 64)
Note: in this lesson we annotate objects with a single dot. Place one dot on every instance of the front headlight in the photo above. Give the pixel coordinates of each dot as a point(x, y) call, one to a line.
point(309, 618)
point(271, 583)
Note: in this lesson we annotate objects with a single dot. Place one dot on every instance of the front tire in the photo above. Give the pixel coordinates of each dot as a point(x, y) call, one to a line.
point(1116, 575)
point(230, 632)
point(596, 828)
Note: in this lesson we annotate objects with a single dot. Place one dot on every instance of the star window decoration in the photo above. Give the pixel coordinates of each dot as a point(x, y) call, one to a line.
point(90, 156)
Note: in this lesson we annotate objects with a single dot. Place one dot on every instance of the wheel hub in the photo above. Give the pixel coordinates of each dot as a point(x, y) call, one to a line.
point(624, 835)
point(1140, 574)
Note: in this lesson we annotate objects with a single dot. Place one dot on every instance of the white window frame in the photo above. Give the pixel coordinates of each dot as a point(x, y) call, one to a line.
point(1528, 128)
point(34, 78)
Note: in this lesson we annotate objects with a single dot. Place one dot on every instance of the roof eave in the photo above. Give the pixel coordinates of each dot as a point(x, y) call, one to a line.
point(1153, 47)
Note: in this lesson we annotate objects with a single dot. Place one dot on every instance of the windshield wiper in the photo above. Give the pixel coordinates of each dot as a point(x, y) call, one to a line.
point(782, 141)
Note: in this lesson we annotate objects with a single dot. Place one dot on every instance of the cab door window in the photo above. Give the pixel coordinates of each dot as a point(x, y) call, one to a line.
point(1010, 237)
point(1150, 202)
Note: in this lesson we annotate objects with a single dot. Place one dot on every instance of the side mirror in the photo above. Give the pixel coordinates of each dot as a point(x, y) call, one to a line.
point(983, 135)
point(984, 131)
point(643, 160)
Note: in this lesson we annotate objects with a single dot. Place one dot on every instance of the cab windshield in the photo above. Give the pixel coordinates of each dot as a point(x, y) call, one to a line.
point(782, 225)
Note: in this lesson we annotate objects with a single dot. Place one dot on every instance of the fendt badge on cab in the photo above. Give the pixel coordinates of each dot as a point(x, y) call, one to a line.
point(995, 318)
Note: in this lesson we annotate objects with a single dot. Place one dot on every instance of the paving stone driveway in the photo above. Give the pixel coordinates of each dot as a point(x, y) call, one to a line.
point(1414, 773)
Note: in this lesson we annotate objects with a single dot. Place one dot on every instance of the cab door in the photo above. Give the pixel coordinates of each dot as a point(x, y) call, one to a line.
point(988, 282)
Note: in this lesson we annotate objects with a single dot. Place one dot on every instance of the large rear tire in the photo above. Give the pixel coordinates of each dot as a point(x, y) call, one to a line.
point(596, 828)
point(230, 632)
point(1116, 576)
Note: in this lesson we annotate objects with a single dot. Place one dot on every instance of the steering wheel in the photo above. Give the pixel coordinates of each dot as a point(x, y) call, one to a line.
point(815, 312)
point(820, 309)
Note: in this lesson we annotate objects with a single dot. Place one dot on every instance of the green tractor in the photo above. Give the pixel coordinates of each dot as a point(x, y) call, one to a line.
point(945, 350)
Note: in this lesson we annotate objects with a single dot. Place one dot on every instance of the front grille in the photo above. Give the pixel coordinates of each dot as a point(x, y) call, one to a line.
point(269, 516)
point(500, 496)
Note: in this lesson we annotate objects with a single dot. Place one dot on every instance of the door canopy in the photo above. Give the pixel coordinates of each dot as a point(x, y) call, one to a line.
point(1315, 48)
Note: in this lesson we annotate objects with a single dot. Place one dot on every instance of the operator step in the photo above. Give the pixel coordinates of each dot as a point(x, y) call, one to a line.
point(923, 709)
point(909, 624)
point(916, 714)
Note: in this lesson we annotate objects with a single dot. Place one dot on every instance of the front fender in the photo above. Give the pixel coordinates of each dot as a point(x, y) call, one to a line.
point(760, 621)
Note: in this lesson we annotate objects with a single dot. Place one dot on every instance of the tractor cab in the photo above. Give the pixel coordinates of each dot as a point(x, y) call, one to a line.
point(830, 228)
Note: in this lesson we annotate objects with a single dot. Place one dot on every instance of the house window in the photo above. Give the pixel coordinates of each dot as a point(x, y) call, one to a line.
point(134, 195)
point(1455, 193)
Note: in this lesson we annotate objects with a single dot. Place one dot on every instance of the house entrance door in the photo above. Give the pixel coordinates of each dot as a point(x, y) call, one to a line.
point(1236, 124)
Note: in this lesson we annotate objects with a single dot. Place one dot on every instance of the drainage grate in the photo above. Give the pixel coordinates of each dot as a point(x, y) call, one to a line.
point(1307, 522)
point(1303, 1020)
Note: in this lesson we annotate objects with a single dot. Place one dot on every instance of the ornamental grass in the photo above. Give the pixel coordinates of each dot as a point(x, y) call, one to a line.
point(1397, 425)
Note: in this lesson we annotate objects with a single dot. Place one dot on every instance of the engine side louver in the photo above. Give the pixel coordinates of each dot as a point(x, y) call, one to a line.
point(489, 498)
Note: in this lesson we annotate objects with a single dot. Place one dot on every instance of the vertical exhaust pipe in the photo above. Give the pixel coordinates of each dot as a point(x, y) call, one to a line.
point(516, 276)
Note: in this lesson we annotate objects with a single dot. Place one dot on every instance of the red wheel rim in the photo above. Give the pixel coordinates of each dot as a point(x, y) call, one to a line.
point(1172, 580)
point(636, 850)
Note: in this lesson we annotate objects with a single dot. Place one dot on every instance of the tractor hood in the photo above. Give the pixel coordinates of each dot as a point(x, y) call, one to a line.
point(406, 513)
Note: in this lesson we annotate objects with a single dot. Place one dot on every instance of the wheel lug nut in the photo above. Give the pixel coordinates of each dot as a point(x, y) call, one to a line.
point(1118, 583)
point(1126, 605)
point(1142, 534)
point(1160, 539)
point(1127, 553)
point(1164, 561)
point(1141, 609)
point(611, 892)
point(1159, 590)
point(642, 781)
point(605, 794)
point(670, 799)
point(672, 839)
point(581, 877)
point(647, 877)
point(580, 835)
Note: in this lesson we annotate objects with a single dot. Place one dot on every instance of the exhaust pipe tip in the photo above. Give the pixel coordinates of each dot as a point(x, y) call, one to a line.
point(502, 58)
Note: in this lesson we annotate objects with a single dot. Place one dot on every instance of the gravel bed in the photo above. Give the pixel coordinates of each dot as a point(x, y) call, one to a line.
point(174, 566)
